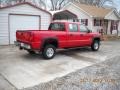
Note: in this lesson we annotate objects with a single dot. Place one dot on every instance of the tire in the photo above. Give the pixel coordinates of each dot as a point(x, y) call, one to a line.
point(95, 45)
point(30, 52)
point(49, 51)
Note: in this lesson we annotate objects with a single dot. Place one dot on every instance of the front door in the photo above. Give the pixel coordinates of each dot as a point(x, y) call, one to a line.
point(85, 37)
point(73, 35)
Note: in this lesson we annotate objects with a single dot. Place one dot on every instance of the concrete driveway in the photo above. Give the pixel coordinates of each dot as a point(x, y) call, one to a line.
point(20, 70)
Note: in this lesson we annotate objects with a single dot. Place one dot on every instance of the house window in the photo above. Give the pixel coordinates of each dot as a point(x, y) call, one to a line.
point(97, 22)
point(84, 21)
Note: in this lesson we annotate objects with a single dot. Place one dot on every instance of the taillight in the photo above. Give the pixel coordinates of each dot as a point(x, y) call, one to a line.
point(17, 35)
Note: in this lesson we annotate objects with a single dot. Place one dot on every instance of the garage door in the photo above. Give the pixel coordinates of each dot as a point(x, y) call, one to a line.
point(22, 22)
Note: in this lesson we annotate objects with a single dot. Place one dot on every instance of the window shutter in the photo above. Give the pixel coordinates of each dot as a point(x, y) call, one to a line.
point(73, 20)
point(117, 24)
point(86, 23)
point(100, 22)
point(94, 22)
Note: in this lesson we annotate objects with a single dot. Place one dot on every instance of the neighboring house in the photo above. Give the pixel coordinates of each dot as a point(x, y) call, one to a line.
point(96, 19)
point(23, 16)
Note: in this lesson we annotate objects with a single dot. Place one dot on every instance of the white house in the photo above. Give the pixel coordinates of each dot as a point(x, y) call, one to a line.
point(23, 16)
point(96, 19)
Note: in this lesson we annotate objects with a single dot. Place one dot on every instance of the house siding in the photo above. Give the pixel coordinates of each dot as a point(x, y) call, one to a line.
point(21, 9)
point(111, 16)
point(4, 28)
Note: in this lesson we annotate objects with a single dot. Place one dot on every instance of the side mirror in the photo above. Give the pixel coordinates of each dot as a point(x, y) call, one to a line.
point(89, 31)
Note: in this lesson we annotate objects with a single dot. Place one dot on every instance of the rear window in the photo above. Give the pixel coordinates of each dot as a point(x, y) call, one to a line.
point(57, 27)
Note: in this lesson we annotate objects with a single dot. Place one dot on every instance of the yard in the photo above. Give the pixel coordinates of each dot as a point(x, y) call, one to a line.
point(73, 69)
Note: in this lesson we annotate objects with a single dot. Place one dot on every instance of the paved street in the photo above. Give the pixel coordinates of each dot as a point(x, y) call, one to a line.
point(19, 70)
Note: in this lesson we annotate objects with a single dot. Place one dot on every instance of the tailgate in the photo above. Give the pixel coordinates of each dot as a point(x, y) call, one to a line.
point(24, 36)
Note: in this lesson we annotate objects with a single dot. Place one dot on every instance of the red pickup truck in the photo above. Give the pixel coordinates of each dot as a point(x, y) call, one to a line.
point(59, 35)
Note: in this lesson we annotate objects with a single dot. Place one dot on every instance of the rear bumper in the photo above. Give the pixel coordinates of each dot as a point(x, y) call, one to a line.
point(28, 46)
point(23, 45)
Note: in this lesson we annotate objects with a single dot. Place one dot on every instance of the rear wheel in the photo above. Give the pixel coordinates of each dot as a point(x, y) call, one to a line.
point(49, 51)
point(96, 45)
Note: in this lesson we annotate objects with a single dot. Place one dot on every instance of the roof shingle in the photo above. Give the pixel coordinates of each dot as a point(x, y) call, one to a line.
point(93, 10)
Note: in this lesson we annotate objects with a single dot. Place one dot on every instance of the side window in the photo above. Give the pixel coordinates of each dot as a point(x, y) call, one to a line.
point(83, 28)
point(73, 27)
point(57, 27)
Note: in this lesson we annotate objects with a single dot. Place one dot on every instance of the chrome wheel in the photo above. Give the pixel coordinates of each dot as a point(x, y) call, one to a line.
point(50, 52)
point(96, 45)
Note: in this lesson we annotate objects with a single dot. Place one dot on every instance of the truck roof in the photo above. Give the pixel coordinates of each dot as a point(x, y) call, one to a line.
point(65, 22)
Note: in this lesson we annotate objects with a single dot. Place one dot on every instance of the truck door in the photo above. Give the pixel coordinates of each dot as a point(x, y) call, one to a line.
point(73, 35)
point(85, 36)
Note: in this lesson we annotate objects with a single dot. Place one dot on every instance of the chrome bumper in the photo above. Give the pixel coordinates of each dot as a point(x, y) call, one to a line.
point(22, 45)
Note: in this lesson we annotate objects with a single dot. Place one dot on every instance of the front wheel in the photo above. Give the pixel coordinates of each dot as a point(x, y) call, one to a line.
point(49, 52)
point(95, 45)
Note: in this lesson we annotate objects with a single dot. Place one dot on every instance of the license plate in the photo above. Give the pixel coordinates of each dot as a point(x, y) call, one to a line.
point(25, 45)
point(16, 43)
point(22, 44)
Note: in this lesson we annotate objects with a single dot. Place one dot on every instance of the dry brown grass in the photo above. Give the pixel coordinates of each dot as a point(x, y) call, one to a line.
point(110, 37)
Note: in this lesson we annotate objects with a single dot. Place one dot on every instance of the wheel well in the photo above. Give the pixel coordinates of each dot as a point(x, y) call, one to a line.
point(98, 39)
point(53, 42)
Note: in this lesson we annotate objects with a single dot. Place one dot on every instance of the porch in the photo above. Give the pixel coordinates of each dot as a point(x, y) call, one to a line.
point(106, 26)
point(64, 15)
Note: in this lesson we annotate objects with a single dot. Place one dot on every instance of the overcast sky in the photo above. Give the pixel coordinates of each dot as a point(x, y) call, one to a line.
point(117, 3)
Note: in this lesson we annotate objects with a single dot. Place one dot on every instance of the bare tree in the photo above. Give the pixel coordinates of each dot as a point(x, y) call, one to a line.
point(58, 4)
point(102, 3)
point(42, 4)
point(0, 3)
point(98, 3)
point(9, 2)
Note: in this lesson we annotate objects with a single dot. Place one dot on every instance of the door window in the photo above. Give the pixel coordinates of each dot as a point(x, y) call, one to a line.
point(73, 27)
point(83, 28)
